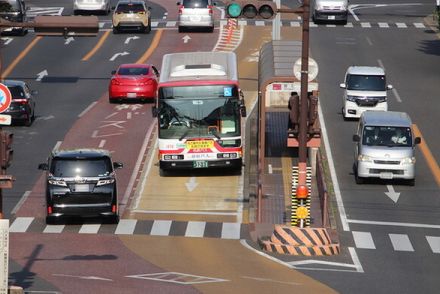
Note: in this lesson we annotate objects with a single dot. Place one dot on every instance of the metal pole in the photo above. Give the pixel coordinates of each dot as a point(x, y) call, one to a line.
point(302, 137)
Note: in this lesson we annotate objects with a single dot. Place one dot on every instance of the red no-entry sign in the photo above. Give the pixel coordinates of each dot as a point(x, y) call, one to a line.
point(5, 98)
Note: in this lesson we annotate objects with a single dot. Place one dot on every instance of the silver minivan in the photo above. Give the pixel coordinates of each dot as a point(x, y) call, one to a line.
point(195, 14)
point(102, 6)
point(384, 147)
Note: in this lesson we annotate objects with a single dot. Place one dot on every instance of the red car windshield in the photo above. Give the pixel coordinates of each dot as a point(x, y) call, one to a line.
point(133, 71)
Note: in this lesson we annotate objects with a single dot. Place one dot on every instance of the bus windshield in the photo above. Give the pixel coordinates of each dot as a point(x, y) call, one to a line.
point(194, 118)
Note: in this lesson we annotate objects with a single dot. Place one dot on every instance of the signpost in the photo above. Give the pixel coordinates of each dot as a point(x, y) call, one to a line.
point(4, 255)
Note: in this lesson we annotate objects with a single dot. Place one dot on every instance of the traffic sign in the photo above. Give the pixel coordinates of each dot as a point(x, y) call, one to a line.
point(5, 98)
point(5, 119)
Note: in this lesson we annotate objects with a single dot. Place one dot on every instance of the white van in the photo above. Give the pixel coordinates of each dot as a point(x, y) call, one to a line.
point(365, 88)
point(102, 6)
point(384, 147)
point(330, 11)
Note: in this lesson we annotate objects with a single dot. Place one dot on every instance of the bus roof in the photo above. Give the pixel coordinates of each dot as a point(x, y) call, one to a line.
point(203, 66)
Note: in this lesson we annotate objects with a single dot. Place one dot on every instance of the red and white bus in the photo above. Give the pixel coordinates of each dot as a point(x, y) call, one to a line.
point(199, 110)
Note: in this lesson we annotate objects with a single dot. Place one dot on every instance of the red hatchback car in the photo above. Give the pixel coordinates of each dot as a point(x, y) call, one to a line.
point(133, 82)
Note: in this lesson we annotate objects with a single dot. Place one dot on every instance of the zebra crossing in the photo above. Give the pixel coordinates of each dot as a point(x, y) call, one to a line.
point(191, 229)
point(398, 242)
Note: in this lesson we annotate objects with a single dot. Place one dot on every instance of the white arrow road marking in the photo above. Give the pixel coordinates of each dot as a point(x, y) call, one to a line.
point(41, 75)
point(392, 194)
point(191, 184)
point(68, 40)
point(83, 277)
point(186, 38)
point(118, 54)
point(130, 38)
point(7, 40)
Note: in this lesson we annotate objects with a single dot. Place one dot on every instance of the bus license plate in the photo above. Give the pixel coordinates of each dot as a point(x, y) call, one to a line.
point(200, 164)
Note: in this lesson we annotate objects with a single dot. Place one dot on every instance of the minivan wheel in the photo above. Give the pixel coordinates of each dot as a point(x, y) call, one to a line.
point(115, 30)
point(359, 180)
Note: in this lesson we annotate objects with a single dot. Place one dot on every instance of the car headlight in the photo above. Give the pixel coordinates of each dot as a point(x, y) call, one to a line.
point(408, 160)
point(364, 158)
point(352, 98)
point(105, 182)
point(58, 183)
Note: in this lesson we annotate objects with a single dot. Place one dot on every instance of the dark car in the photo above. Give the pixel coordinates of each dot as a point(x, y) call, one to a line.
point(22, 108)
point(13, 11)
point(81, 183)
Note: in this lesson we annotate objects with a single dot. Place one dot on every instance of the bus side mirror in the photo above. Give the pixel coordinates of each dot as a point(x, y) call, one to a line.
point(154, 111)
point(356, 138)
point(417, 140)
point(243, 110)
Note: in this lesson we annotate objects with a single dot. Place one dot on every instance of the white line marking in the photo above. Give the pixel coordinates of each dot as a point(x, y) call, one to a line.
point(434, 243)
point(53, 229)
point(184, 212)
point(397, 224)
point(89, 229)
point(20, 202)
point(136, 168)
point(419, 25)
point(381, 63)
point(369, 41)
point(161, 228)
point(129, 115)
point(401, 25)
point(383, 25)
point(260, 23)
point(401, 242)
point(231, 231)
point(102, 143)
point(365, 25)
point(396, 95)
point(171, 24)
point(363, 240)
point(295, 24)
point(195, 229)
point(57, 145)
point(87, 109)
point(334, 177)
point(21, 224)
point(269, 167)
point(349, 25)
point(126, 227)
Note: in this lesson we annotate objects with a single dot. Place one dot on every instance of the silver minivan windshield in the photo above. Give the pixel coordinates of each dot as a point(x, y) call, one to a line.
point(387, 136)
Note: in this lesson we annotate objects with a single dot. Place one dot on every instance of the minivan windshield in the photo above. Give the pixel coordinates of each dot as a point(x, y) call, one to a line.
point(387, 136)
point(99, 167)
point(366, 82)
point(195, 3)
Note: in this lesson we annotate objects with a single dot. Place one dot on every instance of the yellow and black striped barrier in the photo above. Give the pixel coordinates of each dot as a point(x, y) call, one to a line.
point(300, 241)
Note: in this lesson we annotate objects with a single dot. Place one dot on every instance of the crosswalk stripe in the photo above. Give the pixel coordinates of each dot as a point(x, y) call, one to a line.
point(171, 24)
point(259, 23)
point(231, 231)
point(161, 228)
point(363, 240)
point(195, 229)
point(383, 25)
point(365, 25)
point(154, 24)
point(401, 242)
point(401, 25)
point(126, 227)
point(295, 24)
point(53, 229)
point(419, 25)
point(89, 229)
point(21, 224)
point(349, 25)
point(434, 243)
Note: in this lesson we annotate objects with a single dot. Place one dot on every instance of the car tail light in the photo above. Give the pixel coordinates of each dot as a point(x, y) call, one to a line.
point(49, 209)
point(21, 101)
point(180, 9)
point(146, 82)
point(114, 208)
point(210, 9)
point(115, 82)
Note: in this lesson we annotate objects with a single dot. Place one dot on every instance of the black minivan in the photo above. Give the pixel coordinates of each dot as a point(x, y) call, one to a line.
point(14, 11)
point(81, 183)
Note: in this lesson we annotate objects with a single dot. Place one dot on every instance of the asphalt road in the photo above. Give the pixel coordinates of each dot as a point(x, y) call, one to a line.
point(75, 81)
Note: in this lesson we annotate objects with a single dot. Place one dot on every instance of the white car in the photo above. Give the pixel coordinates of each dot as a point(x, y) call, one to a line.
point(102, 6)
point(365, 89)
point(330, 11)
